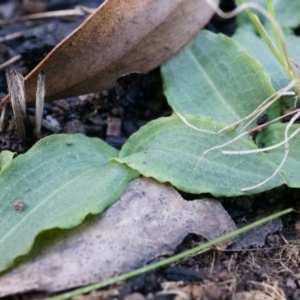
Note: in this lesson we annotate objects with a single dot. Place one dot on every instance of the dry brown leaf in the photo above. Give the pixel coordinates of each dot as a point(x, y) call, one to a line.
point(119, 38)
point(149, 220)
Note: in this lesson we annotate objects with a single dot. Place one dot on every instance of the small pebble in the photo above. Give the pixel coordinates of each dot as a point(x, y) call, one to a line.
point(134, 296)
point(113, 126)
point(74, 126)
point(290, 283)
point(51, 124)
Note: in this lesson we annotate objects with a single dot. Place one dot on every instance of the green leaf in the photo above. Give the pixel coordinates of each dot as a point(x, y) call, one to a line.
point(60, 180)
point(293, 46)
point(257, 48)
point(168, 150)
point(215, 76)
point(287, 12)
point(274, 134)
point(5, 159)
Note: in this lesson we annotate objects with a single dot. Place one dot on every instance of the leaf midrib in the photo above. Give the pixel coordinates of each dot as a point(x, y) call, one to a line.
point(211, 83)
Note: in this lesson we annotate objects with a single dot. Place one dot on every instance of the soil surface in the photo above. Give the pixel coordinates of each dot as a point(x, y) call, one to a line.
point(264, 264)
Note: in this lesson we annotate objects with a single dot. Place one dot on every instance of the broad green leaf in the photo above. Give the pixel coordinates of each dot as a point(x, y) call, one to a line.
point(293, 45)
point(5, 159)
point(215, 76)
point(287, 12)
point(274, 134)
point(257, 48)
point(60, 180)
point(168, 150)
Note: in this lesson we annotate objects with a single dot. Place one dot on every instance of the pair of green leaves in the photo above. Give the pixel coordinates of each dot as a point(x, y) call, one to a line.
point(213, 82)
point(214, 76)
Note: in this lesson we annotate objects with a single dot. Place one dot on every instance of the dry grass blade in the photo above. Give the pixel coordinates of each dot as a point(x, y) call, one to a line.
point(185, 121)
point(3, 116)
point(79, 10)
point(286, 152)
point(40, 99)
point(10, 61)
point(16, 87)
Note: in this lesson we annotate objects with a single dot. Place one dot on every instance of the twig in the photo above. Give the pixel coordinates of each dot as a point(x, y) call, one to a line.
point(185, 121)
point(10, 61)
point(77, 11)
point(286, 152)
point(11, 36)
point(2, 117)
point(40, 99)
point(262, 106)
point(15, 83)
point(267, 148)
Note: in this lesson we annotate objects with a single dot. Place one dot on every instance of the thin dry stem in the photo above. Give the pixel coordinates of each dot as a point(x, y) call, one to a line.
point(10, 61)
point(16, 87)
point(242, 152)
point(286, 152)
point(279, 94)
point(40, 99)
point(3, 115)
point(79, 10)
point(218, 147)
point(185, 121)
point(11, 36)
point(242, 134)
point(263, 106)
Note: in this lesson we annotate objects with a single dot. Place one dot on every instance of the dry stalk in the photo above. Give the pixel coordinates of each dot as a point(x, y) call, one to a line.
point(40, 99)
point(79, 10)
point(15, 82)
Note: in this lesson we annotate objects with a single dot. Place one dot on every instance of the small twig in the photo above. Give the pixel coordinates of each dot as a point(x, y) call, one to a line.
point(218, 147)
point(15, 82)
point(40, 99)
point(242, 134)
point(10, 61)
point(286, 152)
point(281, 93)
point(262, 106)
point(2, 117)
point(185, 121)
point(11, 36)
point(267, 148)
point(77, 11)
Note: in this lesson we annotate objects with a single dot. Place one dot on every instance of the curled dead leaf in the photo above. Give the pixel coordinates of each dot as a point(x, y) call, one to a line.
point(120, 37)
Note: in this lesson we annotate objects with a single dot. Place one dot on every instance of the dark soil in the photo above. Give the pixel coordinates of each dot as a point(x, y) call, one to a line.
point(264, 265)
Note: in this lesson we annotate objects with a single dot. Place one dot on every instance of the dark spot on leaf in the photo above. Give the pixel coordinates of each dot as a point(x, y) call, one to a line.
point(262, 119)
point(18, 205)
